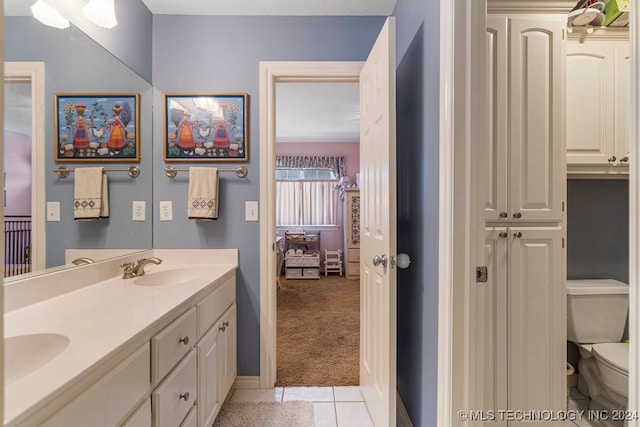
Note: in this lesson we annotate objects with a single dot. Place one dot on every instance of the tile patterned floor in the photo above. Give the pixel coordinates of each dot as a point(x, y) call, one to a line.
point(333, 406)
point(577, 401)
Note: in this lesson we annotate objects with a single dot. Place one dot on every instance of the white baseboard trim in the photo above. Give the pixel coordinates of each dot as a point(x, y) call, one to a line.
point(403, 419)
point(246, 382)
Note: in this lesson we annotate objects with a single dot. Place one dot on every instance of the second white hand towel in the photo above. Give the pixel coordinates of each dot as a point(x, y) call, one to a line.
point(90, 197)
point(203, 193)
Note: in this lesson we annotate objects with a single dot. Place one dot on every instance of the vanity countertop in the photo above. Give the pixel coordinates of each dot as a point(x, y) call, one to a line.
point(100, 321)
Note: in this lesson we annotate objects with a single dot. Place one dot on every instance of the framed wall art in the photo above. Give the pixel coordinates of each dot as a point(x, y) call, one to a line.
point(205, 127)
point(101, 127)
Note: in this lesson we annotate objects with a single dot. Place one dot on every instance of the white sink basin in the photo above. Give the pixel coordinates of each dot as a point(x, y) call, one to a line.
point(26, 353)
point(172, 276)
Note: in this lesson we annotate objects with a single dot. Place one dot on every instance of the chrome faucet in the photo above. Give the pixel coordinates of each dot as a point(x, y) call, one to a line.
point(82, 260)
point(138, 268)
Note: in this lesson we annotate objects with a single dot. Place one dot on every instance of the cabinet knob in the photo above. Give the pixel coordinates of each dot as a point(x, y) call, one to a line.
point(611, 159)
point(625, 159)
point(503, 234)
point(223, 328)
point(517, 215)
point(184, 396)
point(503, 215)
point(517, 234)
point(184, 340)
point(225, 323)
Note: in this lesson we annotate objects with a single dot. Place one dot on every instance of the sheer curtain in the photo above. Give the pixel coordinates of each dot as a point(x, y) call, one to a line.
point(307, 202)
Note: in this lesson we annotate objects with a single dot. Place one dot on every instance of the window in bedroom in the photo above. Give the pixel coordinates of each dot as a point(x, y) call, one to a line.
point(306, 197)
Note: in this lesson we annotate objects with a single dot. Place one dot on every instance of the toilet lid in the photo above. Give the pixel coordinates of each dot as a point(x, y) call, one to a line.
point(614, 354)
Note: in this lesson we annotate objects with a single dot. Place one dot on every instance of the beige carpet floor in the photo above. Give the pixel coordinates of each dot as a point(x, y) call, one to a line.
point(263, 414)
point(318, 336)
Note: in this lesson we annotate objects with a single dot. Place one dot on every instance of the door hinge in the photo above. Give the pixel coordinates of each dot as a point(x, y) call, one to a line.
point(482, 274)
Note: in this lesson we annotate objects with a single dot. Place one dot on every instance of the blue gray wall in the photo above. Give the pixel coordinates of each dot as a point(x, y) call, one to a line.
point(76, 63)
point(418, 89)
point(222, 54)
point(598, 229)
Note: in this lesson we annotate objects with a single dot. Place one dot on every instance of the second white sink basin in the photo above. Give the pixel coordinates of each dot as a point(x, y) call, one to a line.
point(26, 353)
point(170, 276)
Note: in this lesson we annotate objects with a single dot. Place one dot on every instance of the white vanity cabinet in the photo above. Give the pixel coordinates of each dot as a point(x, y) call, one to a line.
point(110, 399)
point(172, 400)
point(525, 62)
point(217, 354)
point(597, 91)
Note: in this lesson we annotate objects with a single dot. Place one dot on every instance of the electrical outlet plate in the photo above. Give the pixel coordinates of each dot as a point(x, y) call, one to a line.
point(138, 210)
point(166, 210)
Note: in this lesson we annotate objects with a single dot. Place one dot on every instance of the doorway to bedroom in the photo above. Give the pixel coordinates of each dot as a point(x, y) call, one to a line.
point(317, 173)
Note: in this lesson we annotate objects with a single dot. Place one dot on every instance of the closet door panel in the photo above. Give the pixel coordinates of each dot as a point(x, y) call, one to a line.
point(537, 327)
point(622, 90)
point(590, 103)
point(496, 197)
point(537, 156)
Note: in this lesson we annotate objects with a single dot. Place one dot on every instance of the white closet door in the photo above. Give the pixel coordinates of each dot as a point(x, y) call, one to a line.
point(536, 139)
point(537, 326)
point(496, 197)
point(590, 102)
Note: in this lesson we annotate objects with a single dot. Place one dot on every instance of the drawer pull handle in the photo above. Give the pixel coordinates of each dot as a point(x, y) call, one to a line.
point(184, 396)
point(185, 341)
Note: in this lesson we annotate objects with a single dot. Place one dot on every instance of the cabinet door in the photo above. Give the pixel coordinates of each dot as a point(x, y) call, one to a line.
point(228, 345)
point(536, 117)
point(622, 90)
point(590, 102)
point(489, 329)
point(496, 197)
point(537, 324)
point(209, 399)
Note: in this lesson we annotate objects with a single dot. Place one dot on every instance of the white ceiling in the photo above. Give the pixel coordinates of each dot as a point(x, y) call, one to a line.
point(271, 7)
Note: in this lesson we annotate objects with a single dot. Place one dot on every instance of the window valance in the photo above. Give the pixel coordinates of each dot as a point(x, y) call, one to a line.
point(335, 163)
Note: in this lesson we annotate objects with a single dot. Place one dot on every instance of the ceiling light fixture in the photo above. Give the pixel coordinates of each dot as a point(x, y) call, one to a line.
point(101, 12)
point(48, 15)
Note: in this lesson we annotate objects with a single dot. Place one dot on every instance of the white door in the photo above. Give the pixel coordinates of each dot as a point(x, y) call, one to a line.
point(378, 229)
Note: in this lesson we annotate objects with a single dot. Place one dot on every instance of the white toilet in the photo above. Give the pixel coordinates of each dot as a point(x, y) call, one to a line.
point(596, 316)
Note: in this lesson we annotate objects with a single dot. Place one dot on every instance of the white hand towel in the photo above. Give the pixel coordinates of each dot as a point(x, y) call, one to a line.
point(91, 196)
point(203, 193)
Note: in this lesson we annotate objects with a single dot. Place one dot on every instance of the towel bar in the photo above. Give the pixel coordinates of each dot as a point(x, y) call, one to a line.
point(172, 171)
point(133, 171)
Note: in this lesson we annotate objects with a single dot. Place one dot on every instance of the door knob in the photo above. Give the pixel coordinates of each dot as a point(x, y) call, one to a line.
point(380, 259)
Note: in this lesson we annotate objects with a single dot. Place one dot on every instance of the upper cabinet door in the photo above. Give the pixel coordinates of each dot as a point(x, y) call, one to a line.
point(590, 103)
point(622, 91)
point(496, 196)
point(536, 118)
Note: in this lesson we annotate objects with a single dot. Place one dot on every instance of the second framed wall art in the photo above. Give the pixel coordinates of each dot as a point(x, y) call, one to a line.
point(205, 127)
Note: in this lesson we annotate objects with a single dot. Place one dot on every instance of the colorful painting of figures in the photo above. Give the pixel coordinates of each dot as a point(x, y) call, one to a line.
point(205, 127)
point(97, 127)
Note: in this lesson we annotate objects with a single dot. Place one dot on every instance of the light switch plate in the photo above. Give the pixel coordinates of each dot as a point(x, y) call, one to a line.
point(138, 210)
point(166, 210)
point(53, 211)
point(251, 211)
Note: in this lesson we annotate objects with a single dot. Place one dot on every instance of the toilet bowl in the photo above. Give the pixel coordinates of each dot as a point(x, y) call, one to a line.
point(612, 360)
point(597, 313)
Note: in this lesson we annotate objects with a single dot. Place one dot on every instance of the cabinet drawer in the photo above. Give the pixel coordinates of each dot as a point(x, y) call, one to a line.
point(353, 268)
point(171, 344)
point(142, 416)
point(110, 399)
point(311, 272)
point(175, 396)
point(214, 305)
point(353, 255)
point(293, 272)
point(192, 418)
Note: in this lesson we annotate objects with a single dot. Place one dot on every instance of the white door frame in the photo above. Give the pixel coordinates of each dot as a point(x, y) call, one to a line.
point(456, 66)
point(270, 74)
point(34, 72)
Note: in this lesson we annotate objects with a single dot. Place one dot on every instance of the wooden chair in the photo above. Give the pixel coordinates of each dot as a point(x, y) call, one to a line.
point(332, 261)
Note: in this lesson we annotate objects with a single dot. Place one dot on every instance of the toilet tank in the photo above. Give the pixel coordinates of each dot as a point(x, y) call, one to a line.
point(596, 310)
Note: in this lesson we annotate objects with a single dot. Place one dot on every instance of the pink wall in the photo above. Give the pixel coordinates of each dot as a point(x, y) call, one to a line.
point(17, 166)
point(329, 239)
